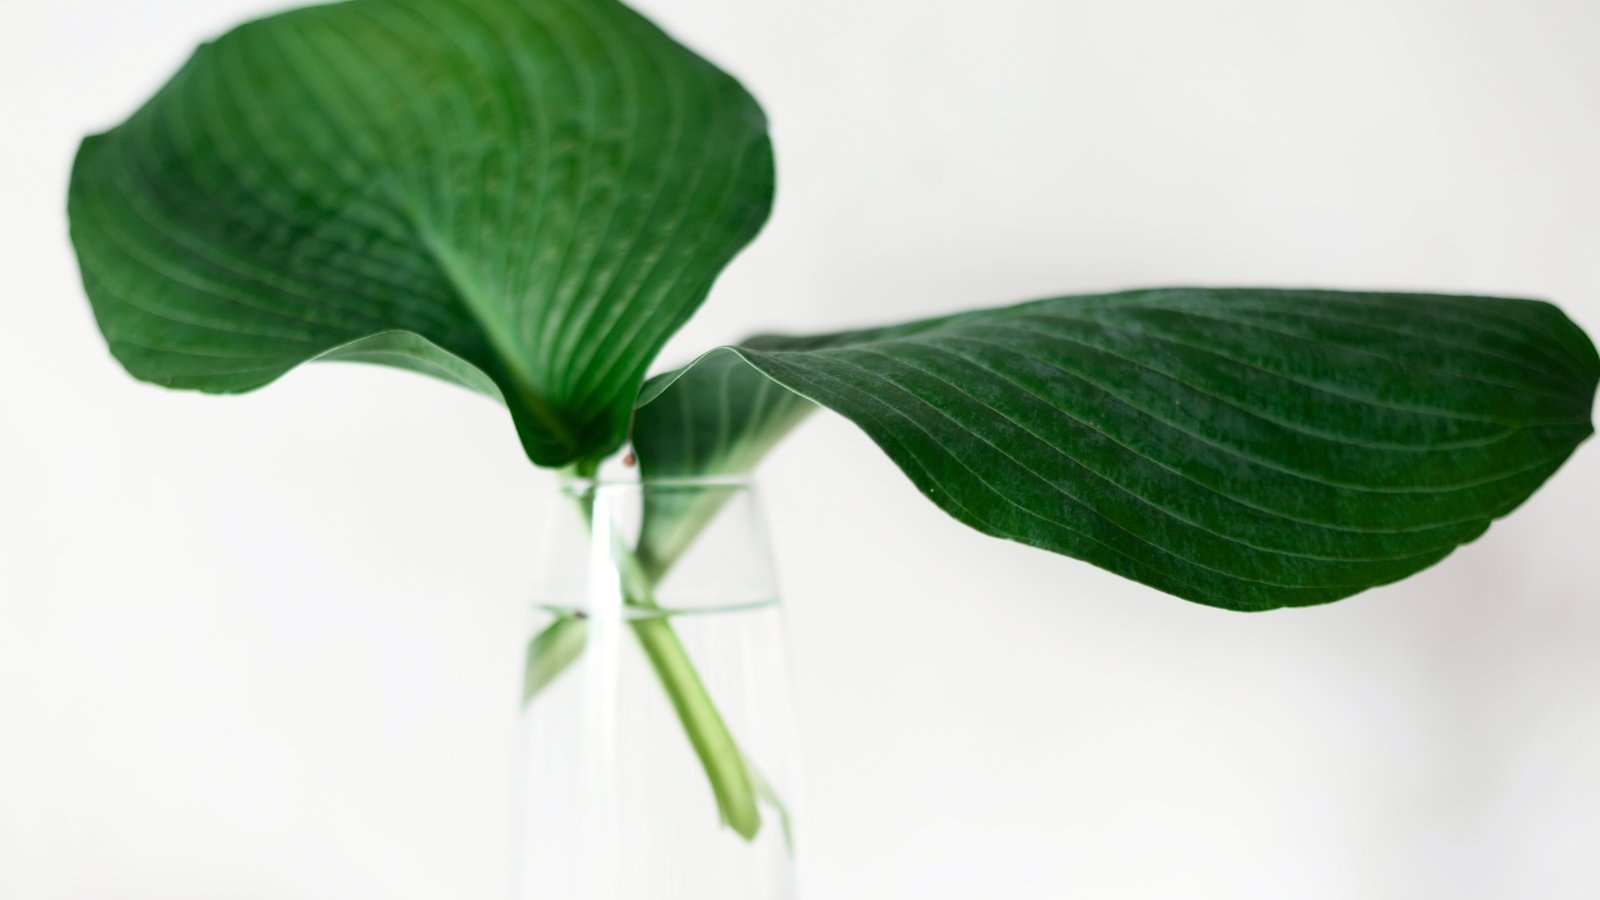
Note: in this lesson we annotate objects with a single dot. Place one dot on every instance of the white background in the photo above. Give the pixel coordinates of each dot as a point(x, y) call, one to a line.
point(267, 646)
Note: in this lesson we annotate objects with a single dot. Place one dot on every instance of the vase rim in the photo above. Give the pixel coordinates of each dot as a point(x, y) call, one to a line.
point(579, 482)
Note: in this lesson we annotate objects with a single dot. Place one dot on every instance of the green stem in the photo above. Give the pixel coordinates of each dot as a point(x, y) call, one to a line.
point(708, 734)
point(719, 754)
point(562, 642)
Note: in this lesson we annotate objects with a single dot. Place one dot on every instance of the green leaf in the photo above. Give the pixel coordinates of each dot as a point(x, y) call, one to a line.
point(718, 417)
point(1247, 449)
point(524, 196)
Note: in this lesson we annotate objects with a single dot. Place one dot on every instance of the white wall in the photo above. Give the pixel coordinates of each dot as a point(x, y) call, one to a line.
point(262, 647)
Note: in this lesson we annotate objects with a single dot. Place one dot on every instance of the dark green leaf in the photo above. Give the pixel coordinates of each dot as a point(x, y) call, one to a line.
point(526, 196)
point(1248, 449)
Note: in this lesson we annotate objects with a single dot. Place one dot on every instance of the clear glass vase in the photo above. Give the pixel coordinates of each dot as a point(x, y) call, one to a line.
point(658, 737)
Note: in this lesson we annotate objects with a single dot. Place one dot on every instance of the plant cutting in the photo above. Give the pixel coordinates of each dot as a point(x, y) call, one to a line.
point(529, 197)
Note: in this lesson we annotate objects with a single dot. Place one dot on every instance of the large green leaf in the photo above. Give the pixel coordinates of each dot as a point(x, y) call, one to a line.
point(1248, 449)
point(525, 196)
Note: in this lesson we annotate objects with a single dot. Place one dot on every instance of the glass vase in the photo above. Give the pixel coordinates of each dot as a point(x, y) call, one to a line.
point(658, 742)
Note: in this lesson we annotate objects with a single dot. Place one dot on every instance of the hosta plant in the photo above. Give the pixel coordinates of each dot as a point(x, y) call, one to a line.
point(528, 197)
